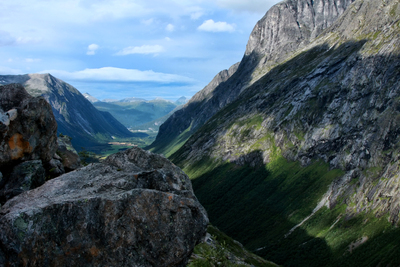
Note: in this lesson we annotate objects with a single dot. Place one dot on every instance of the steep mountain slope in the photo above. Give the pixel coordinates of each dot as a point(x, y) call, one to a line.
point(75, 115)
point(303, 168)
point(91, 99)
point(287, 26)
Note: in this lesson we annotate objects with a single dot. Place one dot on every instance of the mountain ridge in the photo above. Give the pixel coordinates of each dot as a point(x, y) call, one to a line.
point(304, 164)
point(256, 62)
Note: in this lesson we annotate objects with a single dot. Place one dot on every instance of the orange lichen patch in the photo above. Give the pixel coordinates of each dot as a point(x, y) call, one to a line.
point(73, 250)
point(94, 251)
point(18, 146)
point(170, 197)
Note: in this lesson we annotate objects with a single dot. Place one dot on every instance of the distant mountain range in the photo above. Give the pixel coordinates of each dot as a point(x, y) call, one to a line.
point(75, 115)
point(138, 113)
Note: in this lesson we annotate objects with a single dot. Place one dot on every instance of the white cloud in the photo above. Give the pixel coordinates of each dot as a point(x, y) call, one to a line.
point(253, 6)
point(144, 49)
point(9, 71)
point(6, 39)
point(92, 49)
point(111, 74)
point(147, 21)
point(32, 60)
point(211, 26)
point(196, 15)
point(170, 28)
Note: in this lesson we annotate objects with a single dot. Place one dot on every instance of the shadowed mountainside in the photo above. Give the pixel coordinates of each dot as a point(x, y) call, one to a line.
point(302, 168)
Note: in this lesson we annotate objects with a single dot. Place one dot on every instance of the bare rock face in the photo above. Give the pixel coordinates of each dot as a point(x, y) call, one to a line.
point(27, 127)
point(286, 27)
point(134, 209)
point(68, 155)
point(25, 176)
point(290, 25)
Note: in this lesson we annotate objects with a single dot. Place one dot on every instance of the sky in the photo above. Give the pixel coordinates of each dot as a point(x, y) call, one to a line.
point(127, 48)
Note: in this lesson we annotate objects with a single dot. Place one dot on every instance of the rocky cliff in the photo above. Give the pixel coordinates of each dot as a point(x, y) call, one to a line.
point(75, 115)
point(286, 27)
point(134, 209)
point(303, 166)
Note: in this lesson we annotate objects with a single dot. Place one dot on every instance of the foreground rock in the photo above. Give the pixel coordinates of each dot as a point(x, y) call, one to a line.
point(28, 141)
point(69, 157)
point(27, 126)
point(134, 209)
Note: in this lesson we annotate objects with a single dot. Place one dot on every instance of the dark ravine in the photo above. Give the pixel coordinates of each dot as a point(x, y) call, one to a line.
point(286, 27)
point(302, 167)
point(75, 115)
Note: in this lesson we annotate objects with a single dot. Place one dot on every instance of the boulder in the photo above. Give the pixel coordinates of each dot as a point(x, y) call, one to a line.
point(24, 177)
point(54, 168)
point(67, 153)
point(27, 127)
point(134, 209)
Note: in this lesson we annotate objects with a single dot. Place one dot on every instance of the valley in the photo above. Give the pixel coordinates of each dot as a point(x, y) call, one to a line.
point(294, 152)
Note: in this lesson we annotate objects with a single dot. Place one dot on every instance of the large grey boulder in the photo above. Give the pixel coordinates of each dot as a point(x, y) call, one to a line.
point(134, 209)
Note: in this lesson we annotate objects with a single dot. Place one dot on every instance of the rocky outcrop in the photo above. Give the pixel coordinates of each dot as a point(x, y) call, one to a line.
point(25, 176)
point(28, 140)
point(28, 128)
point(68, 155)
point(134, 209)
point(290, 25)
point(286, 27)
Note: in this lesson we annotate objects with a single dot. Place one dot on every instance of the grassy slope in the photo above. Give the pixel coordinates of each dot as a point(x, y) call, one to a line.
point(221, 250)
point(259, 206)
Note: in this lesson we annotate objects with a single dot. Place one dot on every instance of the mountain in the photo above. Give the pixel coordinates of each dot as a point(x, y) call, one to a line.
point(181, 101)
point(181, 124)
point(109, 100)
point(296, 154)
point(132, 99)
point(135, 112)
point(75, 115)
point(92, 99)
point(287, 26)
point(154, 125)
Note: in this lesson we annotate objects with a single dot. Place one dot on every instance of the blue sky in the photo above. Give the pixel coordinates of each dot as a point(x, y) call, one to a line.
point(127, 48)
